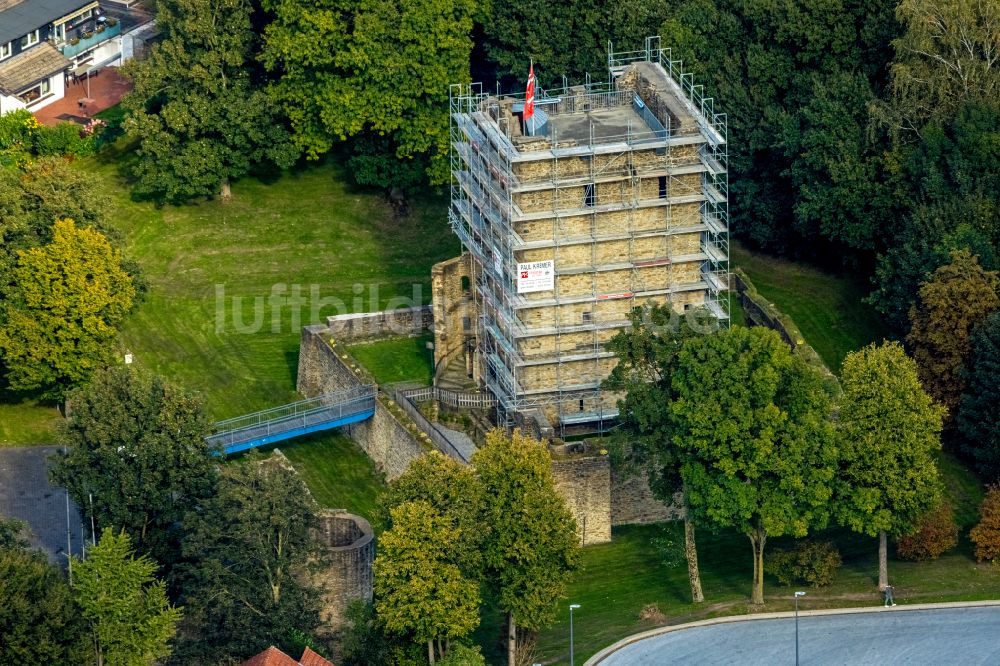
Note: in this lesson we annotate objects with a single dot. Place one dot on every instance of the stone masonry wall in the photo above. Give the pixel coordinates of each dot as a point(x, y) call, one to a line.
point(633, 503)
point(401, 321)
point(345, 573)
point(453, 306)
point(384, 437)
point(585, 484)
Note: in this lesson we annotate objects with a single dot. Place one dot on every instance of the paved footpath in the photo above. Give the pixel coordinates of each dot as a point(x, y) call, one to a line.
point(938, 635)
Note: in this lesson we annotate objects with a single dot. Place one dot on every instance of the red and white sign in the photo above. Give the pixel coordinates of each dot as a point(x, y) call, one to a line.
point(536, 276)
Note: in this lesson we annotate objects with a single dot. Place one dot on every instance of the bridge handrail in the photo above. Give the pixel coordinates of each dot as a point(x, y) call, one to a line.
point(295, 409)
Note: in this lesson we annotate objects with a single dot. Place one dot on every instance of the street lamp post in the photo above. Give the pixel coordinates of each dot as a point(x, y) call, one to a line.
point(572, 607)
point(797, 595)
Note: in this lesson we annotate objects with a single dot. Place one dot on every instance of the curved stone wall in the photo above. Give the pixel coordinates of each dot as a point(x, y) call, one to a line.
point(348, 552)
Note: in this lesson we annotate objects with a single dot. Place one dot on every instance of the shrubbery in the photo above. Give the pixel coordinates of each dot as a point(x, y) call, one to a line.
point(811, 562)
point(936, 533)
point(22, 138)
point(986, 535)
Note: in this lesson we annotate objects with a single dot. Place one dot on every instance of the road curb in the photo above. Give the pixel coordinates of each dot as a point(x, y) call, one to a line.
point(659, 631)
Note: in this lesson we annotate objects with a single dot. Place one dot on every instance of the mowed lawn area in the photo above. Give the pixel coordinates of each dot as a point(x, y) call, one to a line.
point(397, 359)
point(618, 580)
point(827, 308)
point(231, 284)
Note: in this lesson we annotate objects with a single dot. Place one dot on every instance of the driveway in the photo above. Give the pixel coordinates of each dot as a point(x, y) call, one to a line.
point(939, 637)
point(25, 493)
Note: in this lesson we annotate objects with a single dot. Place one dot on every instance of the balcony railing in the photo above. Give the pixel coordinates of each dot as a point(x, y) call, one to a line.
point(69, 50)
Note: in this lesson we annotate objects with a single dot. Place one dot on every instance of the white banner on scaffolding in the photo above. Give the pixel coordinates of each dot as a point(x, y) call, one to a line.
point(536, 276)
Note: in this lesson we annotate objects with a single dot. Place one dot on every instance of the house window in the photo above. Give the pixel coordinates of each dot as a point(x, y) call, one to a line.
point(5, 50)
point(581, 405)
point(30, 39)
point(589, 199)
point(663, 187)
point(587, 317)
point(465, 283)
point(32, 94)
point(59, 33)
point(466, 324)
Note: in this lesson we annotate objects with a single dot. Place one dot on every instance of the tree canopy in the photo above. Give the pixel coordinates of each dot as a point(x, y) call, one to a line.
point(889, 432)
point(201, 114)
point(956, 298)
point(125, 606)
point(387, 79)
point(137, 459)
point(63, 311)
point(978, 419)
point(532, 547)
point(420, 589)
point(751, 422)
point(247, 547)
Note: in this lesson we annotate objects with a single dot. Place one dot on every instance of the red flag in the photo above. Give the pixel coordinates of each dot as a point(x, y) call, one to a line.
point(529, 97)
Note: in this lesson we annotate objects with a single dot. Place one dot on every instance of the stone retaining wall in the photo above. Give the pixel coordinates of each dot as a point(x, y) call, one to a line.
point(389, 438)
point(401, 321)
point(585, 483)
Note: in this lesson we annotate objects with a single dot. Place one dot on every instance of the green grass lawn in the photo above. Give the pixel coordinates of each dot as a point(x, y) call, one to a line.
point(26, 421)
point(619, 579)
point(337, 471)
point(397, 359)
point(231, 284)
point(827, 308)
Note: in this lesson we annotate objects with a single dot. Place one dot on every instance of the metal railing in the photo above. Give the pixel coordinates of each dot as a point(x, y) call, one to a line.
point(328, 407)
point(428, 427)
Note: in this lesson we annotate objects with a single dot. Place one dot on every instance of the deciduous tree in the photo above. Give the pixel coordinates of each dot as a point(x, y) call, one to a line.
point(532, 548)
point(420, 589)
point(751, 422)
point(647, 357)
point(889, 431)
point(455, 492)
point(125, 606)
point(387, 76)
point(978, 419)
point(39, 622)
point(199, 108)
point(137, 459)
point(956, 298)
point(248, 547)
point(63, 311)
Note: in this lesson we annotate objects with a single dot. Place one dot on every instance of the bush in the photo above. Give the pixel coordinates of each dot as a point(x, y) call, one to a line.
point(812, 562)
point(63, 139)
point(936, 533)
point(463, 655)
point(986, 535)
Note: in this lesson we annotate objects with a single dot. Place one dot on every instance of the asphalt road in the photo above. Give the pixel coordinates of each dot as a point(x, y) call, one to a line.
point(965, 636)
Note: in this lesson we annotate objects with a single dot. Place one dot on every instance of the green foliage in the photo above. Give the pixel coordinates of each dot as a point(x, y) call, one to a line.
point(751, 424)
point(951, 303)
point(17, 131)
point(986, 534)
point(137, 457)
point(978, 419)
point(814, 563)
point(532, 546)
point(39, 622)
point(387, 78)
point(364, 640)
point(200, 113)
point(455, 492)
point(12, 534)
point(67, 302)
point(943, 59)
point(419, 588)
point(248, 547)
point(463, 655)
point(32, 199)
point(936, 533)
point(889, 431)
point(62, 139)
point(125, 606)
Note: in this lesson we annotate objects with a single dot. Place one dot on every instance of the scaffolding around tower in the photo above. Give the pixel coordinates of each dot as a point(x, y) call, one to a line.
point(616, 198)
